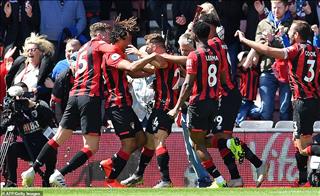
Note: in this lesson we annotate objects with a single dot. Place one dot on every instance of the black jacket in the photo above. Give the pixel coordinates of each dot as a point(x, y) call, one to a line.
point(45, 69)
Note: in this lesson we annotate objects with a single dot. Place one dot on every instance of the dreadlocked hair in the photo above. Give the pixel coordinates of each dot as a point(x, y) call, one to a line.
point(122, 28)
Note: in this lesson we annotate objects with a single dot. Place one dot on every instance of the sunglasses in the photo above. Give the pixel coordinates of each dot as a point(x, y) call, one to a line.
point(32, 49)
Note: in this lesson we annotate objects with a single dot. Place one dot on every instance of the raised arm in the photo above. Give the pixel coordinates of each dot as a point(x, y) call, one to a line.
point(278, 53)
point(181, 60)
point(136, 65)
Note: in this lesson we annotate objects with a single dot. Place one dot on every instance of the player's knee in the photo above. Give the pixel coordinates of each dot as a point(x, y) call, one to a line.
point(129, 146)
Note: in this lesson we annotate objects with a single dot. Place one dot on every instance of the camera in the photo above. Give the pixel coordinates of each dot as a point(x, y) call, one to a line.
point(13, 106)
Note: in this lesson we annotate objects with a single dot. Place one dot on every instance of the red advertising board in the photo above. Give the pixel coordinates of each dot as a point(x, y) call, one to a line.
point(276, 148)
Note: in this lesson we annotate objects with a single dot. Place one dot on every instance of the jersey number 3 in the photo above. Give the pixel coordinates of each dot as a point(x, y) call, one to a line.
point(310, 71)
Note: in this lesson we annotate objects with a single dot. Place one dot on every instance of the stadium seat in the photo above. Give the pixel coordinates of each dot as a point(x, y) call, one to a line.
point(284, 124)
point(256, 124)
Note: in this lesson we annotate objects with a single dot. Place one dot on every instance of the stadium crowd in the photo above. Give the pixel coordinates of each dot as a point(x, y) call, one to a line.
point(204, 72)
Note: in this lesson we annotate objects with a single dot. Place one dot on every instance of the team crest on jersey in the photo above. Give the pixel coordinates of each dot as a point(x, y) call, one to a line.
point(155, 124)
point(132, 125)
point(34, 113)
point(115, 56)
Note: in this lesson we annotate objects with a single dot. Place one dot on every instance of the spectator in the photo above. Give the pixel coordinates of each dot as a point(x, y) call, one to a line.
point(72, 46)
point(58, 15)
point(19, 19)
point(316, 35)
point(305, 10)
point(269, 32)
point(257, 10)
point(34, 66)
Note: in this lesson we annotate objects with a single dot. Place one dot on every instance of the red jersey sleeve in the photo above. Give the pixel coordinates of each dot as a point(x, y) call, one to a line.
point(113, 59)
point(191, 63)
point(103, 47)
point(292, 51)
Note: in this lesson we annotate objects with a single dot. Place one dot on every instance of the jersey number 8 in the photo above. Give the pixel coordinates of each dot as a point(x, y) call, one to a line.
point(212, 78)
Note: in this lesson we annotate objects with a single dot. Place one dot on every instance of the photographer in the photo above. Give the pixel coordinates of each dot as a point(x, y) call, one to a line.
point(32, 121)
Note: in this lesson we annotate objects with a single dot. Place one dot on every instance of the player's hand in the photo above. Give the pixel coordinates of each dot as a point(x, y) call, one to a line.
point(240, 34)
point(7, 9)
point(131, 49)
point(269, 36)
point(173, 113)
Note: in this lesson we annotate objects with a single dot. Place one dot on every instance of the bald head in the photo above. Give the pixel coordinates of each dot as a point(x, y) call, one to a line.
point(73, 45)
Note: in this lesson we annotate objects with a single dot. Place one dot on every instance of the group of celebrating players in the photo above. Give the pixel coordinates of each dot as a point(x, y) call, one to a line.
point(213, 97)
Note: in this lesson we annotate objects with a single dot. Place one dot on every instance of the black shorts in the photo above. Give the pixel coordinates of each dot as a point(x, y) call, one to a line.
point(125, 122)
point(201, 114)
point(87, 110)
point(159, 119)
point(227, 112)
point(305, 113)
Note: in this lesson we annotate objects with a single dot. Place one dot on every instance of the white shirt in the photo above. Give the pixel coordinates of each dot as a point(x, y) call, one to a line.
point(29, 76)
point(142, 94)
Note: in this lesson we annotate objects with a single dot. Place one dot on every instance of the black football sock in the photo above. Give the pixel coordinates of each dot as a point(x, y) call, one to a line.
point(79, 159)
point(163, 163)
point(145, 158)
point(251, 156)
point(302, 165)
point(48, 153)
point(119, 161)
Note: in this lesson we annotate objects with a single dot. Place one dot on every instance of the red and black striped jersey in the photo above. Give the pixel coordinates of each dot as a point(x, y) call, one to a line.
point(304, 70)
point(248, 82)
point(227, 84)
point(205, 64)
point(166, 87)
point(117, 89)
point(88, 80)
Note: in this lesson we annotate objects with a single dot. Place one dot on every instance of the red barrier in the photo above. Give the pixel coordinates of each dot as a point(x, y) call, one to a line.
point(277, 148)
